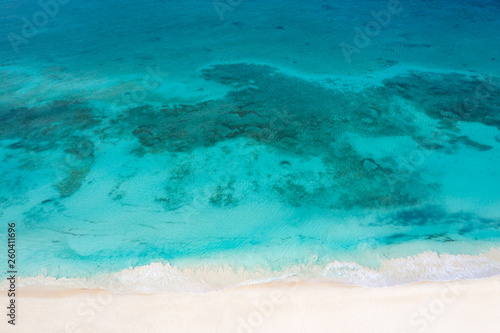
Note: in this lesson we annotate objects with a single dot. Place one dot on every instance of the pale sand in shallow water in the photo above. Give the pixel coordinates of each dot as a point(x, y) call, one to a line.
point(460, 306)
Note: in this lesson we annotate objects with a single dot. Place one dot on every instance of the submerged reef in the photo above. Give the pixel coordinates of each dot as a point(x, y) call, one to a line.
point(438, 224)
point(431, 215)
point(307, 118)
point(450, 97)
point(291, 115)
point(43, 127)
point(265, 105)
point(79, 159)
point(54, 127)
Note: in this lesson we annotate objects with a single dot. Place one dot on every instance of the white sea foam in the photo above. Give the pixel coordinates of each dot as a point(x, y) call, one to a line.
point(158, 277)
point(428, 266)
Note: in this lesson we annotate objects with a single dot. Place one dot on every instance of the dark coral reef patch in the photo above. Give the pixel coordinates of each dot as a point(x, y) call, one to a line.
point(264, 104)
point(301, 117)
point(450, 97)
point(39, 128)
point(306, 118)
point(57, 126)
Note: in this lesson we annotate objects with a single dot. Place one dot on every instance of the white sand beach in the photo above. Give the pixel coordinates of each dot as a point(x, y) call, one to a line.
point(459, 306)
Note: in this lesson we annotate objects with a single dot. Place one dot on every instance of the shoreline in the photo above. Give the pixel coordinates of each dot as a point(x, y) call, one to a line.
point(206, 278)
point(458, 306)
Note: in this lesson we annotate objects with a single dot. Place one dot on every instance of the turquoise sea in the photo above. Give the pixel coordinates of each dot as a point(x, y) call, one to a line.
point(199, 144)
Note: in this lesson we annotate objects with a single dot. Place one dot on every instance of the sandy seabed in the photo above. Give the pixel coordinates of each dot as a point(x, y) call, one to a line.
point(456, 306)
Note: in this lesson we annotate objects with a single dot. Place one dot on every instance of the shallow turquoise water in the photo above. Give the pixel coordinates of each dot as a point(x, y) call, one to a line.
point(139, 132)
